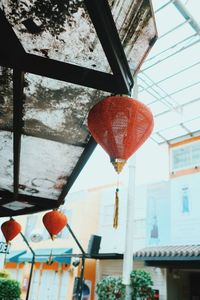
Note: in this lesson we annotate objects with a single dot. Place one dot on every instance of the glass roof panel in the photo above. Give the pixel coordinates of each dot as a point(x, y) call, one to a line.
point(157, 107)
point(184, 55)
point(191, 111)
point(193, 7)
point(193, 125)
point(189, 93)
point(56, 110)
point(146, 97)
point(6, 99)
point(164, 24)
point(46, 28)
point(183, 31)
point(46, 166)
point(170, 133)
point(169, 119)
point(184, 78)
point(157, 138)
point(6, 161)
point(170, 75)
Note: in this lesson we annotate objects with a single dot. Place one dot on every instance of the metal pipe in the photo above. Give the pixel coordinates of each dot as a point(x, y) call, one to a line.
point(76, 240)
point(30, 278)
point(81, 282)
point(32, 264)
point(187, 16)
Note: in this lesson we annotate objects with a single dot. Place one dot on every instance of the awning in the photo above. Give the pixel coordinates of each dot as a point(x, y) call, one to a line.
point(42, 255)
point(182, 256)
point(13, 256)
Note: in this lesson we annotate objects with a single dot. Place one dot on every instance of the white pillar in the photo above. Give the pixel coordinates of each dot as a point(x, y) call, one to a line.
point(128, 253)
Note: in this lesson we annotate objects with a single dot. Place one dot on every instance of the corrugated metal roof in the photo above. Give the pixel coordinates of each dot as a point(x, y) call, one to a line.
point(175, 252)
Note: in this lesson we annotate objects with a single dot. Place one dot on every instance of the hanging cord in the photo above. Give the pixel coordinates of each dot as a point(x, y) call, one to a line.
point(4, 263)
point(116, 209)
point(50, 258)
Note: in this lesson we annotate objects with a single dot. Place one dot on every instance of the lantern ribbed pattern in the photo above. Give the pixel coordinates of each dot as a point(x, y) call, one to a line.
point(10, 229)
point(120, 125)
point(54, 221)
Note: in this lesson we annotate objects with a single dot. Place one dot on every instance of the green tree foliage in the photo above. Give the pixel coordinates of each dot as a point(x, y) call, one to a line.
point(141, 284)
point(9, 289)
point(110, 288)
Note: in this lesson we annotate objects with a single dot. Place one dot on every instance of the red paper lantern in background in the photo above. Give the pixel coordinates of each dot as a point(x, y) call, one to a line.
point(54, 221)
point(120, 125)
point(10, 229)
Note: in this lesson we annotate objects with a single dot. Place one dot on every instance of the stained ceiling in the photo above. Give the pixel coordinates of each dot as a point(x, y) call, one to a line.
point(57, 59)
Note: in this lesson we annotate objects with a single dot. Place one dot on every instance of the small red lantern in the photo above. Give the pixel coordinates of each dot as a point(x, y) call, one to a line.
point(10, 229)
point(120, 125)
point(54, 221)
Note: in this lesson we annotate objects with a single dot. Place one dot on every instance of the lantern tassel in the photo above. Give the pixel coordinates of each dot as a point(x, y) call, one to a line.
point(116, 212)
point(53, 236)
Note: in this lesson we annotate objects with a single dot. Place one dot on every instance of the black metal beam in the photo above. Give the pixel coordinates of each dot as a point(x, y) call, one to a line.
point(7, 196)
point(63, 71)
point(10, 48)
point(18, 84)
point(100, 14)
point(76, 171)
point(13, 55)
point(39, 204)
point(69, 73)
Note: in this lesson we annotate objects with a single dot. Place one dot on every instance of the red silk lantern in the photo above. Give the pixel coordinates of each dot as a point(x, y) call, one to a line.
point(10, 229)
point(54, 221)
point(120, 125)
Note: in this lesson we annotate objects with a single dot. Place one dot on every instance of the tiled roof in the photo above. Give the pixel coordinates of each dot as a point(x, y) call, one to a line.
point(181, 252)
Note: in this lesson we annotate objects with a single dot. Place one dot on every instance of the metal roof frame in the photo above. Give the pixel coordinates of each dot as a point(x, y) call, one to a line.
point(13, 55)
point(159, 95)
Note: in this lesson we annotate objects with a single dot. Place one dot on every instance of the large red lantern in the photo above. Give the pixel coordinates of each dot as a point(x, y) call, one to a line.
point(120, 125)
point(54, 221)
point(10, 229)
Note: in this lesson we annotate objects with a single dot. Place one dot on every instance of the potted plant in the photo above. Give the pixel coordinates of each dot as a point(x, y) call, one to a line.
point(110, 288)
point(141, 283)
